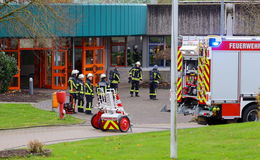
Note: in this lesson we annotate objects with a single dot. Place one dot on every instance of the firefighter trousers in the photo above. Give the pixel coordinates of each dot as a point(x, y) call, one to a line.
point(80, 103)
point(153, 87)
point(114, 86)
point(73, 98)
point(89, 104)
point(135, 87)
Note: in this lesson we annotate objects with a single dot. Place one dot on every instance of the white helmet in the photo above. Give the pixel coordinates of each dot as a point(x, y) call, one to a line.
point(103, 75)
point(138, 63)
point(81, 76)
point(90, 75)
point(74, 72)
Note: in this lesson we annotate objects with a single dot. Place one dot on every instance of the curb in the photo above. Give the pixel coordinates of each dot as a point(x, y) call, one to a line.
point(44, 126)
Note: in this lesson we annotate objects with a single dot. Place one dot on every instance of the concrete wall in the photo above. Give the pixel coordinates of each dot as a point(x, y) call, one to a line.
point(246, 21)
point(193, 19)
point(201, 20)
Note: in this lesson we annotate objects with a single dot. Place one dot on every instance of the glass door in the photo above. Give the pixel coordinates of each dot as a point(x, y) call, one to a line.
point(47, 69)
point(59, 70)
point(93, 62)
point(99, 64)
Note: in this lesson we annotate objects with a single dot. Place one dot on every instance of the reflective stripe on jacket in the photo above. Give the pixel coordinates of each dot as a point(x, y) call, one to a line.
point(89, 88)
point(115, 78)
point(136, 73)
point(72, 85)
point(155, 76)
point(80, 87)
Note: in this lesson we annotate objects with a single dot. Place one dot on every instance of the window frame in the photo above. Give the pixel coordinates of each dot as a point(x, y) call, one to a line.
point(124, 44)
point(155, 44)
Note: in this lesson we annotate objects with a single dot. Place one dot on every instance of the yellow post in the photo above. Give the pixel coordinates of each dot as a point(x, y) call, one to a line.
point(55, 103)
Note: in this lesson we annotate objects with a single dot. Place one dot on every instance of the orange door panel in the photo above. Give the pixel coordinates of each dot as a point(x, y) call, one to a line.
point(59, 70)
point(15, 83)
point(93, 62)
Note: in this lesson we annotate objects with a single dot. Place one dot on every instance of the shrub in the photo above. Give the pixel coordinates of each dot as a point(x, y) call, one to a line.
point(8, 68)
point(35, 146)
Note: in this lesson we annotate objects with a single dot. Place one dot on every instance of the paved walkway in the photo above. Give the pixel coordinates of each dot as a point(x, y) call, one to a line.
point(145, 115)
point(11, 139)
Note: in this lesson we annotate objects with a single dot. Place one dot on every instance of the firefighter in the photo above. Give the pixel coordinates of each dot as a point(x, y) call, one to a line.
point(73, 86)
point(114, 78)
point(102, 87)
point(135, 76)
point(154, 82)
point(89, 93)
point(80, 89)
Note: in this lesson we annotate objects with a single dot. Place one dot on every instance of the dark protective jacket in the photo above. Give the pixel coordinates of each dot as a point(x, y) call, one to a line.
point(104, 85)
point(136, 74)
point(89, 89)
point(80, 87)
point(114, 77)
point(155, 76)
point(73, 84)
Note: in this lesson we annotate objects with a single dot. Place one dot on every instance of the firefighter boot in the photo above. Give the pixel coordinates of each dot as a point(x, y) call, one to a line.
point(80, 109)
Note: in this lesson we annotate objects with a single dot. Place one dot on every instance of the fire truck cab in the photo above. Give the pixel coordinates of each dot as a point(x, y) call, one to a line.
point(219, 78)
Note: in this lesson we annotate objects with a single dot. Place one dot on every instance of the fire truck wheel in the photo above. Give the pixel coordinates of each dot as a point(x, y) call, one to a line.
point(101, 126)
point(95, 121)
point(250, 114)
point(124, 124)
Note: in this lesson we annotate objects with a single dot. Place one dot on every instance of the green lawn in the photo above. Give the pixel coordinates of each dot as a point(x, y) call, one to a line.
point(223, 142)
point(24, 115)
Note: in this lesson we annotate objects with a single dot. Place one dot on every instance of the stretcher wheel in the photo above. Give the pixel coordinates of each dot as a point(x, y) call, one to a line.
point(95, 121)
point(124, 124)
point(101, 125)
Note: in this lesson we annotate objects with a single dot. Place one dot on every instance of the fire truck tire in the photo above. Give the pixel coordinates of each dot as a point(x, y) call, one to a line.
point(250, 114)
point(95, 121)
point(209, 121)
point(101, 126)
point(201, 120)
point(124, 124)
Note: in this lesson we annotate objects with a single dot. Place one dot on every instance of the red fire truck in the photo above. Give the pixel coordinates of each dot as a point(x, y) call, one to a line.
point(219, 78)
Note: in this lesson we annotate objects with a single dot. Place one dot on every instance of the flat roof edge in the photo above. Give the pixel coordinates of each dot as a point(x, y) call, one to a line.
point(204, 3)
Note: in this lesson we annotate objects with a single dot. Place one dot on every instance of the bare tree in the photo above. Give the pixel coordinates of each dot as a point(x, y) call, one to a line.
point(34, 18)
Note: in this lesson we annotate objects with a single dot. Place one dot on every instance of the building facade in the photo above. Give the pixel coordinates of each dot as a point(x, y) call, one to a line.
point(104, 36)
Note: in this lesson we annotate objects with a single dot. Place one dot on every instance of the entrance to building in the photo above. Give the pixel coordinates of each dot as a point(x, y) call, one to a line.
point(47, 68)
point(36, 64)
point(93, 62)
point(90, 57)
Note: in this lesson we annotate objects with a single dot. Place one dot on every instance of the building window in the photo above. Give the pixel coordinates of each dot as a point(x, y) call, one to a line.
point(134, 50)
point(118, 51)
point(159, 51)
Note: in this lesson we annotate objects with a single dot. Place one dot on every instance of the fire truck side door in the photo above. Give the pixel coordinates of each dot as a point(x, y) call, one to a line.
point(224, 76)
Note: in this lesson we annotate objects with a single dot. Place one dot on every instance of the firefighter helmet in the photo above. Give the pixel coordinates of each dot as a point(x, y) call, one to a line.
point(90, 75)
point(74, 72)
point(81, 76)
point(138, 63)
point(155, 67)
point(103, 76)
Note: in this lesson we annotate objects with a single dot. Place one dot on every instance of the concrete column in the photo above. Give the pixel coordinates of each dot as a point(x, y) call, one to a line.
point(229, 18)
point(73, 54)
point(145, 52)
point(107, 53)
